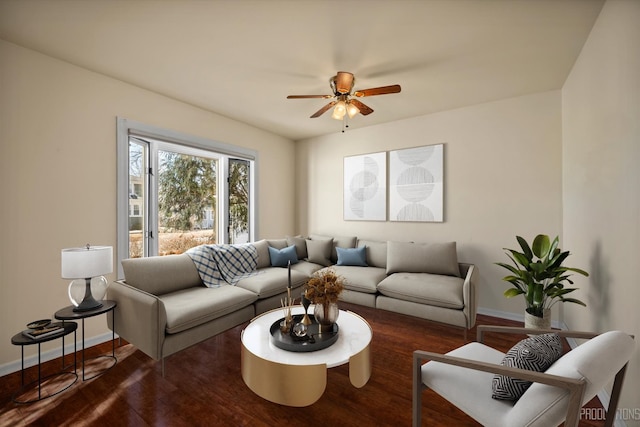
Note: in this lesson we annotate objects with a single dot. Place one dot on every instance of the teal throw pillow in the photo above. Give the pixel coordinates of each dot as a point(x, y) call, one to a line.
point(281, 257)
point(352, 256)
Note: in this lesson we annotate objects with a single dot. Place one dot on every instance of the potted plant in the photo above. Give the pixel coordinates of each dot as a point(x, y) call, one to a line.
point(538, 274)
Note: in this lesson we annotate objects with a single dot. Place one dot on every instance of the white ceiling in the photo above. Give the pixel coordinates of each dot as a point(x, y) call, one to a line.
point(241, 58)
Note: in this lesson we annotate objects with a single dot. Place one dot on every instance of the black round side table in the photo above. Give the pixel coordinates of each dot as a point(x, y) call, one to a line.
point(23, 340)
point(68, 313)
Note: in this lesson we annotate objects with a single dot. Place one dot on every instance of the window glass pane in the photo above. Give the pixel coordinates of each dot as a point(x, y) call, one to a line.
point(238, 201)
point(187, 188)
point(137, 217)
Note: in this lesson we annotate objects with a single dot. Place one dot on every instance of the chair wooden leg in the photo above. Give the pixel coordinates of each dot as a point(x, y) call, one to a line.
point(615, 396)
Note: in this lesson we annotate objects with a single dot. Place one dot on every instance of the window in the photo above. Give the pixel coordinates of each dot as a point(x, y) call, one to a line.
point(176, 191)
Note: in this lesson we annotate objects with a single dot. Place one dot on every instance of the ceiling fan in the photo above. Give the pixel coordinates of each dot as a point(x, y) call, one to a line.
point(345, 104)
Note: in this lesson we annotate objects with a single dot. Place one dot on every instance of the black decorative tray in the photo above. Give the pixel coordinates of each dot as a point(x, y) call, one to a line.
point(314, 340)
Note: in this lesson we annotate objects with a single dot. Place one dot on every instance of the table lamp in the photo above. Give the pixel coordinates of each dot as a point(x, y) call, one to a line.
point(87, 266)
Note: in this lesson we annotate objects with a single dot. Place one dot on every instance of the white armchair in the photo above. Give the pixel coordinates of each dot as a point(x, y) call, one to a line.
point(464, 378)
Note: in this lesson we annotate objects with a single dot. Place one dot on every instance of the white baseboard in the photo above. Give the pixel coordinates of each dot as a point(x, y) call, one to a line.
point(11, 367)
point(516, 317)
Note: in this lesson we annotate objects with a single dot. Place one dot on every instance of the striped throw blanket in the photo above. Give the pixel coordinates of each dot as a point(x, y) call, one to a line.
point(224, 264)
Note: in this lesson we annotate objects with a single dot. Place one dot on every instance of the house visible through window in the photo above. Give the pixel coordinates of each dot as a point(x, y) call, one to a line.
point(180, 192)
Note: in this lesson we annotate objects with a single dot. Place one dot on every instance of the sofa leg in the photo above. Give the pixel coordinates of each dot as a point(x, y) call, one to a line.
point(162, 362)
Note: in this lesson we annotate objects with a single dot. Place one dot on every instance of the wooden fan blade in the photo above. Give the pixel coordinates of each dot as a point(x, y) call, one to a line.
point(309, 96)
point(323, 109)
point(364, 110)
point(378, 91)
point(344, 82)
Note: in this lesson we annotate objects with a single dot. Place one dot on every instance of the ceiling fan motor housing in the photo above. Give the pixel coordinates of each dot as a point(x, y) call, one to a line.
point(343, 82)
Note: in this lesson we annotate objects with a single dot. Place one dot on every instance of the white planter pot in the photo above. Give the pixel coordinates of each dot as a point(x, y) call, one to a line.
point(534, 322)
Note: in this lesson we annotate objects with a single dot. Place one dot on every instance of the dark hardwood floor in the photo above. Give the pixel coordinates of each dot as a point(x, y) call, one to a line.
point(203, 385)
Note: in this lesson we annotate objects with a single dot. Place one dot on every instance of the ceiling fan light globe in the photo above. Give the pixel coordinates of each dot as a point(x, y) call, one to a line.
point(352, 110)
point(339, 111)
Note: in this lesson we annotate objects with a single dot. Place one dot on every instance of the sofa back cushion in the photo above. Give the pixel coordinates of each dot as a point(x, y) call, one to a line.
point(337, 241)
point(159, 275)
point(434, 258)
point(264, 260)
point(300, 244)
point(376, 252)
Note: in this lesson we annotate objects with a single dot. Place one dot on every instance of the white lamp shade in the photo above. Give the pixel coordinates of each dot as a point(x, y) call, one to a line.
point(91, 261)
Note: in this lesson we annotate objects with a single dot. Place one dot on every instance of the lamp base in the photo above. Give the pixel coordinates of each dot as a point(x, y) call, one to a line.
point(82, 291)
point(87, 305)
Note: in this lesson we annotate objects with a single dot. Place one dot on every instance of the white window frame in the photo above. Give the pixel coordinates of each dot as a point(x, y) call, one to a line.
point(126, 127)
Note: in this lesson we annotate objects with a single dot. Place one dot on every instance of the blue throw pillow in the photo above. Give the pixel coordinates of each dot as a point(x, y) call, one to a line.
point(352, 256)
point(281, 257)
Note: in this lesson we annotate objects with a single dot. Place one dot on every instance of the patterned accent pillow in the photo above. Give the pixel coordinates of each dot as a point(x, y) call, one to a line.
point(536, 353)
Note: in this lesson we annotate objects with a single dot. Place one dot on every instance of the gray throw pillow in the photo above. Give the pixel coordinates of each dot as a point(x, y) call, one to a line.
point(319, 251)
point(536, 353)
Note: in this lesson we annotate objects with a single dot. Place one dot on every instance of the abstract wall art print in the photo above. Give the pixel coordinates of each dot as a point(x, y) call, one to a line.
point(416, 184)
point(365, 187)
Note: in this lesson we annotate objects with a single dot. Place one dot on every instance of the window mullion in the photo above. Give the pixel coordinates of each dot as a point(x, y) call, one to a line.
point(152, 232)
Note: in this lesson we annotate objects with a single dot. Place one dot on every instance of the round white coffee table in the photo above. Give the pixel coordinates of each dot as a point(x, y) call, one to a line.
point(299, 379)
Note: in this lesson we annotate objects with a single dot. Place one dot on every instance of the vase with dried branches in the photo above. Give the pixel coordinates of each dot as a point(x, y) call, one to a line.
point(324, 289)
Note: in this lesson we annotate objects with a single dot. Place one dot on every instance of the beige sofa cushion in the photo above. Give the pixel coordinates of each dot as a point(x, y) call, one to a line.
point(264, 260)
point(272, 281)
point(424, 288)
point(188, 308)
point(278, 243)
point(434, 258)
point(376, 252)
point(360, 279)
point(161, 274)
point(301, 245)
point(338, 241)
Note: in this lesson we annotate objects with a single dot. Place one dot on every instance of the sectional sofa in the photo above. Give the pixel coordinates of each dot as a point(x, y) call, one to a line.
point(164, 306)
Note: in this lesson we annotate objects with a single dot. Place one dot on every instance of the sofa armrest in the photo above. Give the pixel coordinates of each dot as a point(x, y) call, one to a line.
point(469, 294)
point(140, 318)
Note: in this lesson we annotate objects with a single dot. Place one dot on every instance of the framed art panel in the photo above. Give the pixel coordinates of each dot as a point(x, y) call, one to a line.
point(365, 187)
point(416, 184)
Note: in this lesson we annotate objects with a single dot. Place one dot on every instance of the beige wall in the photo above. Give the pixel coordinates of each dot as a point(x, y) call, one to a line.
point(502, 178)
point(601, 178)
point(58, 174)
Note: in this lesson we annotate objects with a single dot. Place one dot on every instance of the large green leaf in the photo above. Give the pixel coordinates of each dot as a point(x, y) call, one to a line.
point(520, 258)
point(512, 292)
point(525, 247)
point(538, 294)
point(541, 246)
point(575, 301)
point(554, 247)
